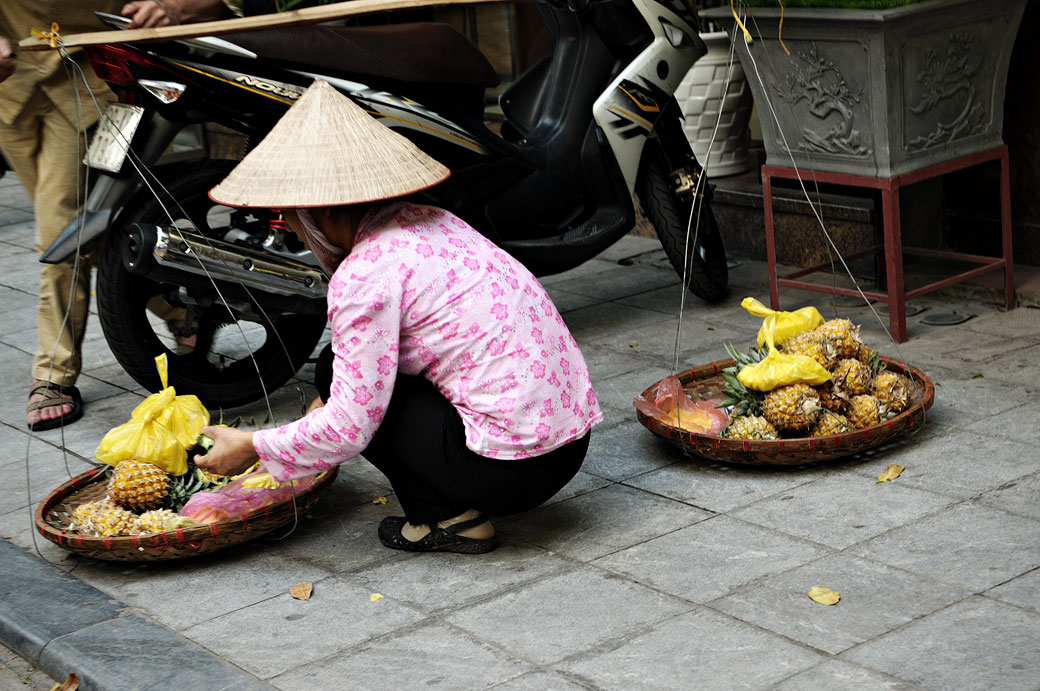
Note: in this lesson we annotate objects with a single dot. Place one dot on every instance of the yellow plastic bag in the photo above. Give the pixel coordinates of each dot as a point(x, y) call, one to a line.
point(780, 369)
point(160, 430)
point(185, 416)
point(788, 324)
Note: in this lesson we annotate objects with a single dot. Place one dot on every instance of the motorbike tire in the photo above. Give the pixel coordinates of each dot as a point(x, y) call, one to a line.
point(123, 298)
point(704, 268)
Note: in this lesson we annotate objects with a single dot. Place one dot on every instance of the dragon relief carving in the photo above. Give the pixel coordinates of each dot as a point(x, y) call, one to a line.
point(946, 77)
point(819, 83)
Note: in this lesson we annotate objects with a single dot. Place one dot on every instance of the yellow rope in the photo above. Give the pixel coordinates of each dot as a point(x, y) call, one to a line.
point(51, 36)
point(780, 29)
point(747, 34)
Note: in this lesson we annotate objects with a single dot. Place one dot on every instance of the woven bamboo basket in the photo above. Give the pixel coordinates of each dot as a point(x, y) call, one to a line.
point(705, 382)
point(52, 519)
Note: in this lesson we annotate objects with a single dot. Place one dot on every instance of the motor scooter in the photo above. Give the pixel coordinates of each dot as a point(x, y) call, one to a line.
point(583, 130)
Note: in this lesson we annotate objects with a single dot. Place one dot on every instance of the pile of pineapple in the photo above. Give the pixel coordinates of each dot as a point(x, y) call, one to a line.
point(141, 499)
point(860, 393)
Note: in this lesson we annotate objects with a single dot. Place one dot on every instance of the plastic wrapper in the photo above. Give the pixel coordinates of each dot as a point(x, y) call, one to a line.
point(669, 403)
point(788, 324)
point(780, 369)
point(160, 431)
point(238, 498)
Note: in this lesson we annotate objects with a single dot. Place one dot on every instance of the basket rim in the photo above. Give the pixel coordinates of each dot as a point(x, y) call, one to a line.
point(824, 448)
point(181, 536)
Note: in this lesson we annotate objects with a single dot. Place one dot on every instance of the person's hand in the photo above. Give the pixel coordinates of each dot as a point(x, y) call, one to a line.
point(232, 451)
point(145, 14)
point(315, 404)
point(6, 59)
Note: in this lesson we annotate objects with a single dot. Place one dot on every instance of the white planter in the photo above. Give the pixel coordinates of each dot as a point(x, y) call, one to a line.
point(701, 92)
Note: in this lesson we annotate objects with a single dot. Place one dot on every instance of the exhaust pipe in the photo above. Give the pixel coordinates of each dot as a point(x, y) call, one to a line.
point(171, 255)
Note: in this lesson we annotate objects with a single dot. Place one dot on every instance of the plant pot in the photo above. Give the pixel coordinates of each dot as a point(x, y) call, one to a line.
point(878, 93)
point(717, 78)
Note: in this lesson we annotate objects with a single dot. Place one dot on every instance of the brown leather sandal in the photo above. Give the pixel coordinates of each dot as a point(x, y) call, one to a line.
point(54, 395)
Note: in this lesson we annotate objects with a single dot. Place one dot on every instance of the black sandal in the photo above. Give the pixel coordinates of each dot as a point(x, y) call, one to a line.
point(54, 395)
point(438, 539)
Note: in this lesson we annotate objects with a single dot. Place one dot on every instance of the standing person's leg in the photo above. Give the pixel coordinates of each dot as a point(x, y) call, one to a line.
point(45, 150)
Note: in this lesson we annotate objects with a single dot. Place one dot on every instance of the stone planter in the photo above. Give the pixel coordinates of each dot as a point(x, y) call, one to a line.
point(879, 93)
point(700, 94)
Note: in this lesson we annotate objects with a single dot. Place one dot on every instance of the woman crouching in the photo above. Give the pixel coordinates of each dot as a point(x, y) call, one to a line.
point(450, 369)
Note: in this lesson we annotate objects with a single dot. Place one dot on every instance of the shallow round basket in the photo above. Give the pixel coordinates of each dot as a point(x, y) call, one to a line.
point(53, 518)
point(705, 382)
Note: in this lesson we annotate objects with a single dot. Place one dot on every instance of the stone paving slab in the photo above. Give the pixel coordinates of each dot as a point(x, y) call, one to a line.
point(571, 612)
point(1023, 591)
point(703, 649)
point(977, 644)
point(718, 555)
point(433, 655)
point(966, 544)
point(340, 613)
point(600, 522)
point(842, 510)
point(842, 676)
point(875, 600)
point(625, 451)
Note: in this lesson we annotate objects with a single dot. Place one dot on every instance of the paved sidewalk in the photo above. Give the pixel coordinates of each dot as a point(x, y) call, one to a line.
point(650, 570)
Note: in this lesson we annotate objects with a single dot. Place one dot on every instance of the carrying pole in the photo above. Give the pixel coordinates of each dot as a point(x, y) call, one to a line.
point(307, 15)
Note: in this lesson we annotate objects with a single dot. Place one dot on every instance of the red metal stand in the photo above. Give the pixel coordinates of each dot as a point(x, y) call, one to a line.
point(892, 280)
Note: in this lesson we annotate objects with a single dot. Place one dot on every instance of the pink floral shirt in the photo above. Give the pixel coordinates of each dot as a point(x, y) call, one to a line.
point(424, 294)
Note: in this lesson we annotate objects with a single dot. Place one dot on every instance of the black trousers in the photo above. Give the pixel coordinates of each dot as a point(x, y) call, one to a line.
point(420, 447)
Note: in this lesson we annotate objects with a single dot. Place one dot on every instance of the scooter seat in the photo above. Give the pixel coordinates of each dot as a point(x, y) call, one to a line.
point(426, 52)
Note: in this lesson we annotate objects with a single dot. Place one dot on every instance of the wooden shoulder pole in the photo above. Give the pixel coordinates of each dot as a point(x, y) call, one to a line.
point(308, 15)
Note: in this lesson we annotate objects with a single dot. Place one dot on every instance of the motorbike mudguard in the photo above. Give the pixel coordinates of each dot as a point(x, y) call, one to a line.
point(110, 193)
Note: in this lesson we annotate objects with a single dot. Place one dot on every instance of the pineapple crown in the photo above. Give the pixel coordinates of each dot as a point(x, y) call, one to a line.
point(744, 400)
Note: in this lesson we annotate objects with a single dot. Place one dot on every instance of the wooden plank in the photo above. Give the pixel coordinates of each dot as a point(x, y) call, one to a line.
point(308, 15)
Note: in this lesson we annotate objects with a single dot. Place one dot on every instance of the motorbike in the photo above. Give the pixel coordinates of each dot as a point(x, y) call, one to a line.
point(584, 129)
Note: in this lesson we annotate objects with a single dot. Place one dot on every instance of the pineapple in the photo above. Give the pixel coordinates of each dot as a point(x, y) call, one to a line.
point(183, 487)
point(830, 423)
point(870, 357)
point(744, 400)
point(843, 334)
point(154, 521)
point(864, 411)
point(853, 377)
point(892, 390)
point(138, 485)
point(831, 398)
point(791, 407)
point(750, 427)
point(103, 518)
point(813, 345)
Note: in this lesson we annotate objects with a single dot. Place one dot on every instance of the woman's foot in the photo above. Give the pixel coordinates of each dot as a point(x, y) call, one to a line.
point(52, 406)
point(470, 533)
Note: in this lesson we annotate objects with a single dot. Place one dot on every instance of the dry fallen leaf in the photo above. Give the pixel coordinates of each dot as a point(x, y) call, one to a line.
point(302, 591)
point(71, 683)
point(891, 473)
point(825, 596)
point(374, 596)
point(379, 500)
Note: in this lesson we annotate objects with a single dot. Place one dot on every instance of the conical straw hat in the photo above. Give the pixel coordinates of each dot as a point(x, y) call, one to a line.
point(327, 151)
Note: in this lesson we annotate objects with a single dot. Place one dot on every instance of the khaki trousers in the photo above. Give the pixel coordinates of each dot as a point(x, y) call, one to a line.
point(44, 149)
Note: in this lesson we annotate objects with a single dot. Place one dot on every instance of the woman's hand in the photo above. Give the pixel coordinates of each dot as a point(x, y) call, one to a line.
point(232, 451)
point(315, 404)
point(6, 59)
point(145, 14)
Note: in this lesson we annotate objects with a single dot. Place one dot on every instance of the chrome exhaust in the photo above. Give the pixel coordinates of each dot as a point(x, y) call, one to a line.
point(168, 253)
